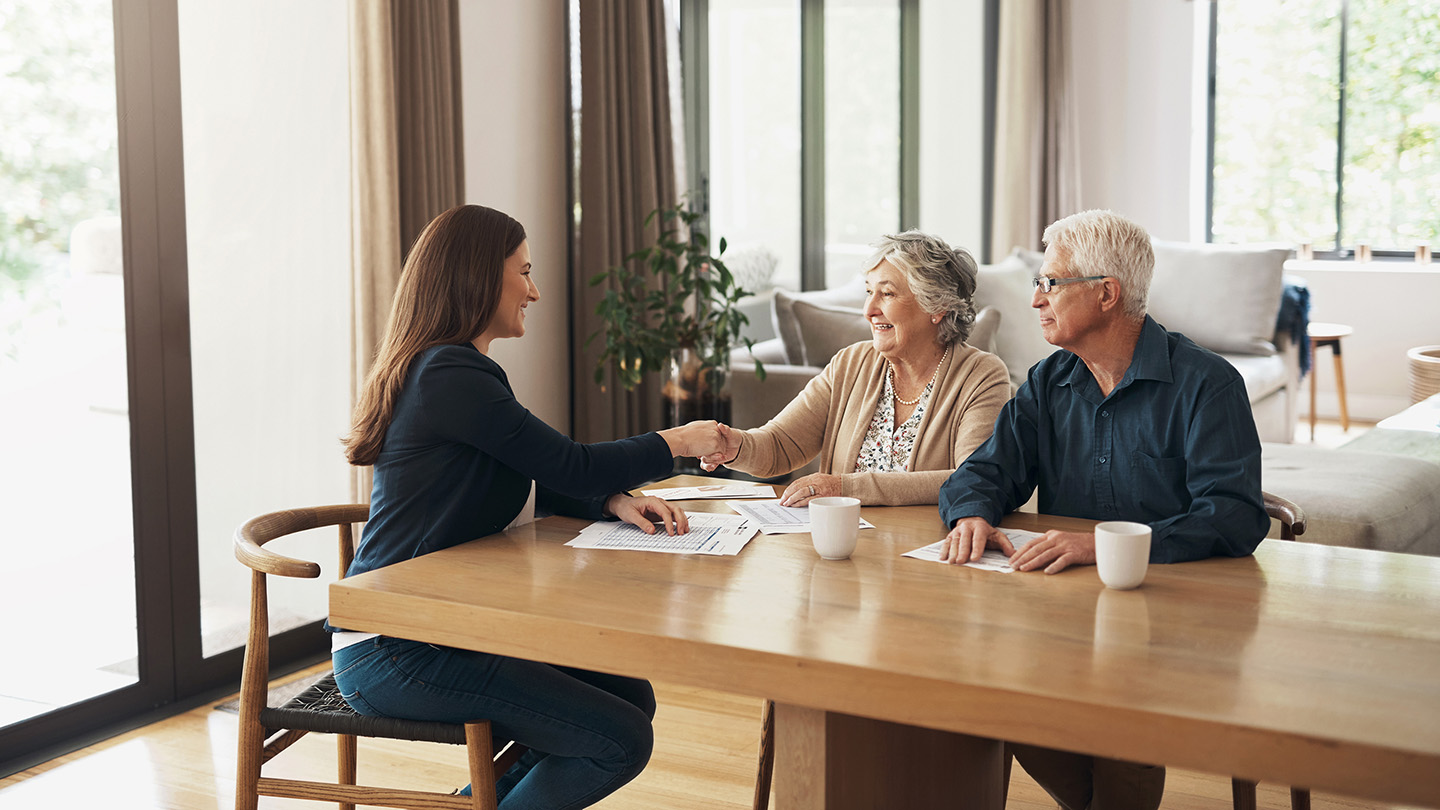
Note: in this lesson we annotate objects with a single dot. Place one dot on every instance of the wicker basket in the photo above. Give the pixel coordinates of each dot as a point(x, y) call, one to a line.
point(1424, 372)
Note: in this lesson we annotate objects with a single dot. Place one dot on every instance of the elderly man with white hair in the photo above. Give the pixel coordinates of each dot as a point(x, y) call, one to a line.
point(1128, 422)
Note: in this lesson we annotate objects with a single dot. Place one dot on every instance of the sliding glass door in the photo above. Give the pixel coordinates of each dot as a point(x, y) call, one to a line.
point(174, 343)
point(67, 588)
point(265, 110)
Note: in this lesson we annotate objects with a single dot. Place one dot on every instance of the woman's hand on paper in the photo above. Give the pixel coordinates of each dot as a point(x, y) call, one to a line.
point(645, 511)
point(817, 485)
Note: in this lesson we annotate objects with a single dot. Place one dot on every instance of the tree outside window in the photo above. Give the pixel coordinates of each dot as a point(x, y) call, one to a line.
point(1326, 120)
point(59, 159)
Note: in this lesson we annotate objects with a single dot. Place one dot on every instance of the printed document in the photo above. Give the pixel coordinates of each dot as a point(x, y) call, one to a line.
point(772, 518)
point(731, 490)
point(991, 560)
point(720, 535)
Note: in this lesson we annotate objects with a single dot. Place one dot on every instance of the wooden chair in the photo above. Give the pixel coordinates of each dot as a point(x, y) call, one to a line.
point(1292, 525)
point(266, 731)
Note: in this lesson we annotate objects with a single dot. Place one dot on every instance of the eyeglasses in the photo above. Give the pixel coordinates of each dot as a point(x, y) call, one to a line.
point(1048, 285)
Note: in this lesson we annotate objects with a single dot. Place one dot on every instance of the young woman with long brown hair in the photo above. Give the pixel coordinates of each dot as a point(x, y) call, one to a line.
point(455, 458)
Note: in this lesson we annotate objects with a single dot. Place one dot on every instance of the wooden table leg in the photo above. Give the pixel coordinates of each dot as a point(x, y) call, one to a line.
point(1340, 387)
point(1312, 391)
point(841, 762)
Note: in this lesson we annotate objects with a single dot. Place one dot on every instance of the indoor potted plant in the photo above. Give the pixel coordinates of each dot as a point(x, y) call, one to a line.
point(671, 308)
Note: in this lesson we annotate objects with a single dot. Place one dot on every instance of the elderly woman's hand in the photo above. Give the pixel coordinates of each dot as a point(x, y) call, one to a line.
point(730, 439)
point(802, 490)
point(643, 512)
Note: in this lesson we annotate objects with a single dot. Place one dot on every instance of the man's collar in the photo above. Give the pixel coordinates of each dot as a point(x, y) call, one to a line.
point(1151, 361)
point(1152, 355)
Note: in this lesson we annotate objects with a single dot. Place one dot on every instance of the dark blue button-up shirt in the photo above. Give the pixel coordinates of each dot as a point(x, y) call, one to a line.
point(1174, 446)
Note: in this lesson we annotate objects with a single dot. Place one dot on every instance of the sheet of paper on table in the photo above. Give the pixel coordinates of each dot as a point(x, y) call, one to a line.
point(710, 533)
point(731, 490)
point(773, 518)
point(991, 560)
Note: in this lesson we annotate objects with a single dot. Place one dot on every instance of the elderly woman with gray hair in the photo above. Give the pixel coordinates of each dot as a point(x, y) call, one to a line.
point(891, 417)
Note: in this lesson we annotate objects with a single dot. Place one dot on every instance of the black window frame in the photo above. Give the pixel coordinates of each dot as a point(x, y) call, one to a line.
point(695, 69)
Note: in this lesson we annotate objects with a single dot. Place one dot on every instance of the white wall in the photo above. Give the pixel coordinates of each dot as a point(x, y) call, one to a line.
point(1133, 65)
point(513, 84)
point(1391, 306)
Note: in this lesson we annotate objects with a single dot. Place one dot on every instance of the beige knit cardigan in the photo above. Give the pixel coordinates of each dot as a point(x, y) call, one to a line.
point(831, 416)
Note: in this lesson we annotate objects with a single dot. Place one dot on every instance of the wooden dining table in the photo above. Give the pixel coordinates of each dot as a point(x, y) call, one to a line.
point(894, 678)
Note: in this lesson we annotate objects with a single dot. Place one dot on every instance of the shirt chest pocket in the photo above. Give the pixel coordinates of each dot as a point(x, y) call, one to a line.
point(1159, 485)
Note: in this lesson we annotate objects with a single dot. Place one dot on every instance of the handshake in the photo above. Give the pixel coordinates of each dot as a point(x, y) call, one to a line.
point(710, 441)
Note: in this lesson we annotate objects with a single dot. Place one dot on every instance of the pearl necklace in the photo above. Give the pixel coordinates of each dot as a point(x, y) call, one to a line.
point(890, 373)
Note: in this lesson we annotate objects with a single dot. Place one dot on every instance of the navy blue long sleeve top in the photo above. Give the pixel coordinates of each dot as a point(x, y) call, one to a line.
point(1174, 446)
point(461, 452)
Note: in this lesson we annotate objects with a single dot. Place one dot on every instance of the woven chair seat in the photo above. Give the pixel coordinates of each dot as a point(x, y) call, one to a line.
point(321, 709)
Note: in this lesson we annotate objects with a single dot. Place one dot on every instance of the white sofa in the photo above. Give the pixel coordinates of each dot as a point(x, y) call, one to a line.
point(1226, 299)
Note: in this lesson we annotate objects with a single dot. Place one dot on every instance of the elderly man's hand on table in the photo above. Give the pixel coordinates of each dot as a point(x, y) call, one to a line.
point(1055, 551)
point(969, 539)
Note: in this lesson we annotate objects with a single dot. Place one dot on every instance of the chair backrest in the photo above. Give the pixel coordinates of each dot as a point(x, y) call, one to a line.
point(1291, 516)
point(250, 540)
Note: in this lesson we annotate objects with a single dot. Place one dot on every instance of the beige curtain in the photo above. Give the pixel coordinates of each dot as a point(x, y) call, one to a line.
point(426, 34)
point(627, 169)
point(1037, 170)
point(406, 161)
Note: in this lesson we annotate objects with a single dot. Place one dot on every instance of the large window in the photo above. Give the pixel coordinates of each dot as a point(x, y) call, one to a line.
point(1326, 120)
point(64, 397)
point(126, 466)
point(801, 118)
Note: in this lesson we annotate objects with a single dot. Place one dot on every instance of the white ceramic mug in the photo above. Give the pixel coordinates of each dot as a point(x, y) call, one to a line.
point(834, 526)
point(1122, 553)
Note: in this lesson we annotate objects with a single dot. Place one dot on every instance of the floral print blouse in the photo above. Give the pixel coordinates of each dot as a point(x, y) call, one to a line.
point(887, 448)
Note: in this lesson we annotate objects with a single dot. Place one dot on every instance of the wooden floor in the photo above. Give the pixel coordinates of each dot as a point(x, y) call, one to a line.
point(704, 760)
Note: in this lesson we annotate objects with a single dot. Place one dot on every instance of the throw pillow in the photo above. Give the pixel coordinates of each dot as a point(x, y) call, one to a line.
point(1007, 286)
point(982, 332)
point(1224, 297)
point(825, 330)
point(783, 316)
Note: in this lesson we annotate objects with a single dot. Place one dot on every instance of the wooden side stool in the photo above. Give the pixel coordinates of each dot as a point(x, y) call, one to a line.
point(1329, 334)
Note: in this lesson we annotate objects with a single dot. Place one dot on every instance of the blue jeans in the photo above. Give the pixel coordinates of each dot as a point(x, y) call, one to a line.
point(589, 732)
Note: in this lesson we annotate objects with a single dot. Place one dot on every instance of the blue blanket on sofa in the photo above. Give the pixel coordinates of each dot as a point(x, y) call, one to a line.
point(1294, 318)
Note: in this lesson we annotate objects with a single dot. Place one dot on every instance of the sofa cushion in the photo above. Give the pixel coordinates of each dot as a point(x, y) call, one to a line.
point(1358, 499)
point(783, 316)
point(1008, 287)
point(1263, 373)
point(825, 330)
point(1224, 297)
point(770, 352)
point(982, 333)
